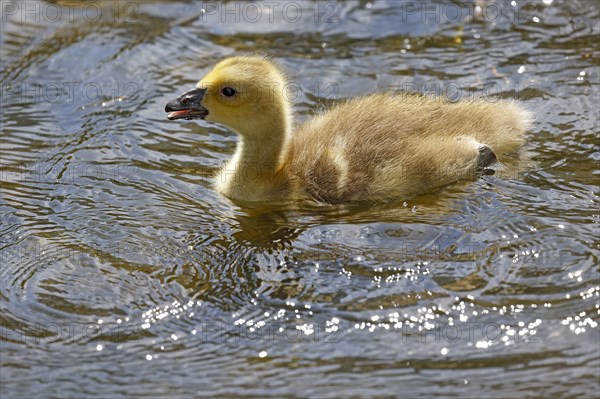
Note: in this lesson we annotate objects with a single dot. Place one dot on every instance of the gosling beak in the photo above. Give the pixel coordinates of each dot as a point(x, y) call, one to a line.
point(187, 106)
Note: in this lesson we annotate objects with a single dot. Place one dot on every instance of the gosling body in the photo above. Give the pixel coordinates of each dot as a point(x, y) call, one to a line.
point(372, 148)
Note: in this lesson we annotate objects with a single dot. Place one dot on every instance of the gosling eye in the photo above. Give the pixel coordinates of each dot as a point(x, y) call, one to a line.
point(228, 91)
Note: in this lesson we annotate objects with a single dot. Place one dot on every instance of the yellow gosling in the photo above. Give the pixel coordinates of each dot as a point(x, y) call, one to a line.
point(372, 148)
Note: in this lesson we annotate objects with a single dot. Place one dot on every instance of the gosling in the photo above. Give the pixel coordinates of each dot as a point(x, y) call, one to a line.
point(373, 148)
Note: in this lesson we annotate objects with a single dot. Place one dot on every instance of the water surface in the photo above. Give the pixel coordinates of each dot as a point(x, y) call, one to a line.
point(125, 274)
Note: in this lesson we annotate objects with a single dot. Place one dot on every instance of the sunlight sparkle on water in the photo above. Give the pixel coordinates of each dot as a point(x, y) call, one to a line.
point(482, 344)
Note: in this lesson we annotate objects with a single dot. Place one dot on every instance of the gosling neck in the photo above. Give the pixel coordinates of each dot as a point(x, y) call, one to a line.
point(253, 173)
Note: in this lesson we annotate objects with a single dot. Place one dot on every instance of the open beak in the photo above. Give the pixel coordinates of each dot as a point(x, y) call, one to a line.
point(187, 106)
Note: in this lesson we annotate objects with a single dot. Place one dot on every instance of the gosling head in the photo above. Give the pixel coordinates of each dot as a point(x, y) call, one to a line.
point(242, 93)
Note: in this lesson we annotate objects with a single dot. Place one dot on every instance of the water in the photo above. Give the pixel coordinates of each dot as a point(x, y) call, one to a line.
point(124, 274)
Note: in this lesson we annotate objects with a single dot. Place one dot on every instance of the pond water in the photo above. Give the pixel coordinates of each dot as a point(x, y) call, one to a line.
point(125, 274)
